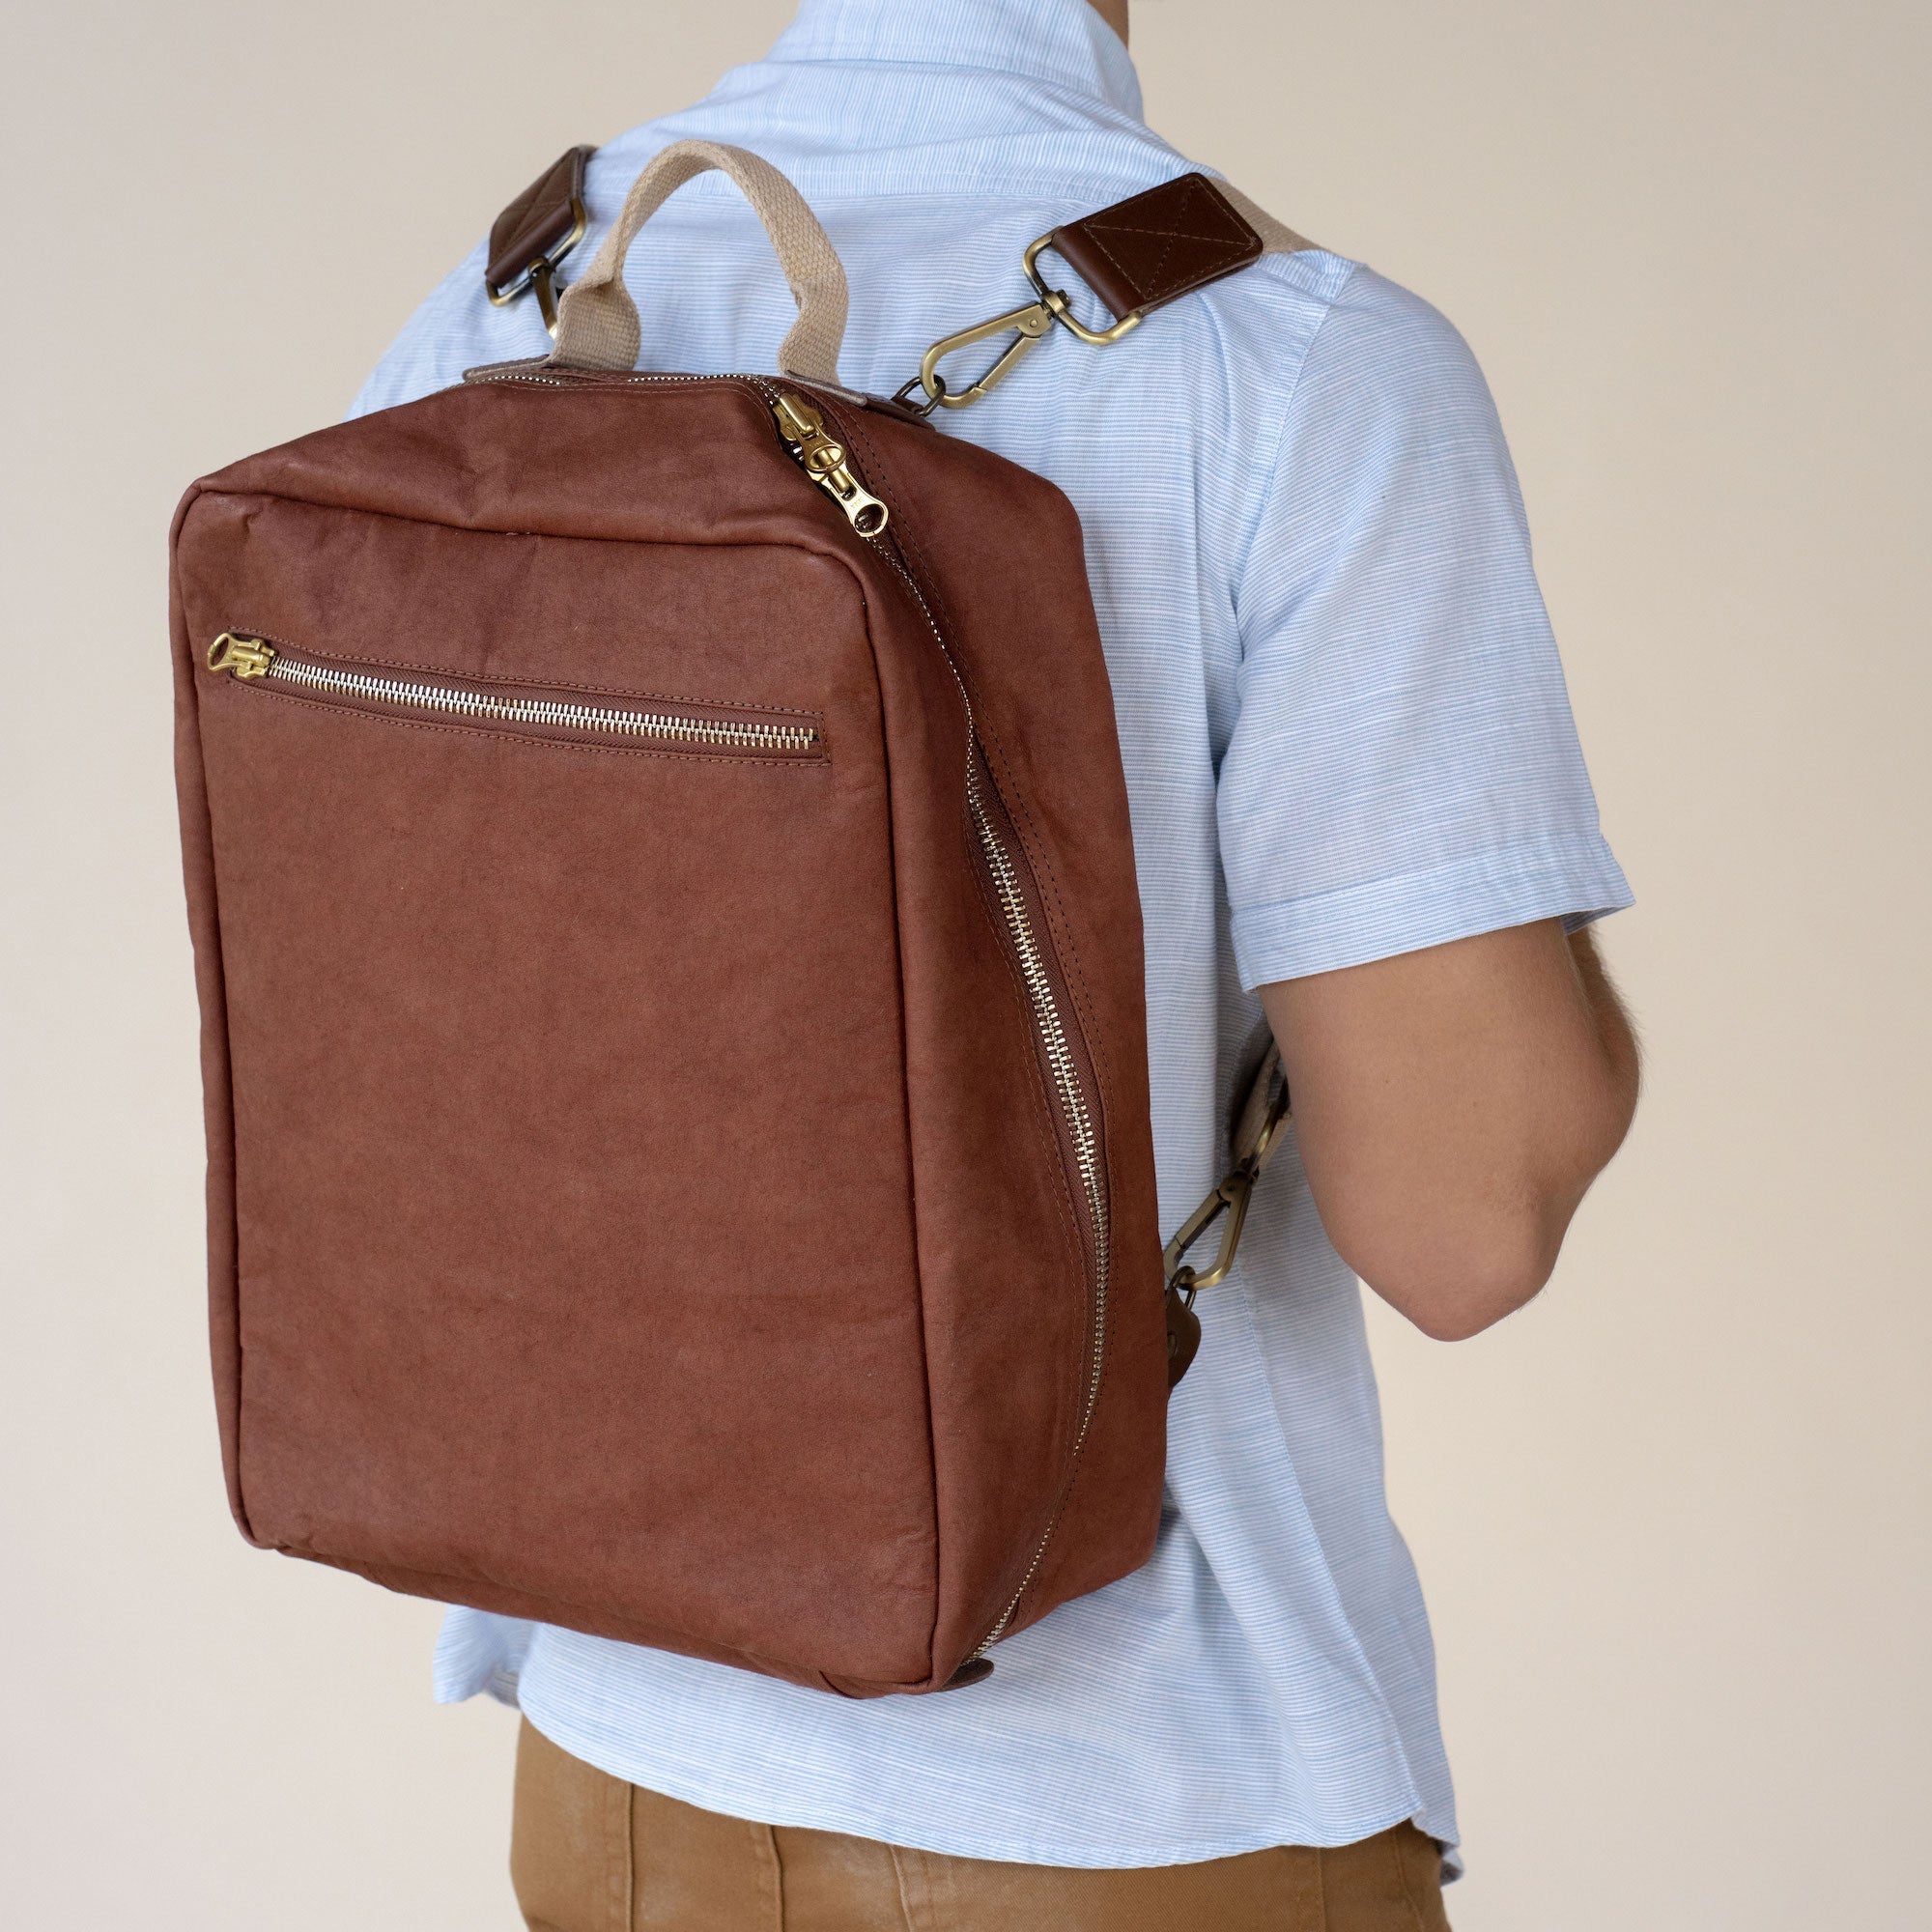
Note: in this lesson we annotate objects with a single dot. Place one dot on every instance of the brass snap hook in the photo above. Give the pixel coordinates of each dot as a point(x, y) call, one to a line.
point(1029, 322)
point(1230, 1197)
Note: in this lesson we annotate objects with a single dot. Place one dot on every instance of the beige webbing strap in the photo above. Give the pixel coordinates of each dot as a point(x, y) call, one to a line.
point(1277, 237)
point(597, 322)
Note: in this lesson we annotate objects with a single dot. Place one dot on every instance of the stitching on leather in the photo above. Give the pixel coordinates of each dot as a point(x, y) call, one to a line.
point(1219, 244)
point(1167, 233)
point(1154, 288)
point(1154, 283)
point(804, 760)
point(536, 536)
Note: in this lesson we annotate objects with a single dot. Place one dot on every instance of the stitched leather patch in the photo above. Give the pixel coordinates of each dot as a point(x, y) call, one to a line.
point(1148, 250)
point(536, 221)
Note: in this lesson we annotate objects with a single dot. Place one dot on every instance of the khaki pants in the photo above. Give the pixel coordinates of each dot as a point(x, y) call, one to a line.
point(592, 1854)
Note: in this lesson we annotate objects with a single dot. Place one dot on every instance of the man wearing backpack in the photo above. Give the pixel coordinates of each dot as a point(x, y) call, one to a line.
point(1361, 817)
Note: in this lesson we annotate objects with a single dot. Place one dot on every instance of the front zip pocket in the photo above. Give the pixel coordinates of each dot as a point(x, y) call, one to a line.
point(552, 717)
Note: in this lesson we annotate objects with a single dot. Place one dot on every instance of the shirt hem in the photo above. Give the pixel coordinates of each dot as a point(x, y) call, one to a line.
point(1088, 1856)
point(1574, 879)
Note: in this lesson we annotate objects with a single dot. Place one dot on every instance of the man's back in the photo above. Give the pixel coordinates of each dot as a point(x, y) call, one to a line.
point(1346, 737)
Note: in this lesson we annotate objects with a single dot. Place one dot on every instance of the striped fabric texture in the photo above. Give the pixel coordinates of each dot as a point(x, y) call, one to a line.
point(1345, 735)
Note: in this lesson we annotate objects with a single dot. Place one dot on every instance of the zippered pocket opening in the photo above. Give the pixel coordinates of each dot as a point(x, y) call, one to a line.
point(603, 720)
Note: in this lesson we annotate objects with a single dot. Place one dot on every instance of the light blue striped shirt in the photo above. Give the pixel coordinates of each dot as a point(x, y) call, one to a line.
point(1346, 736)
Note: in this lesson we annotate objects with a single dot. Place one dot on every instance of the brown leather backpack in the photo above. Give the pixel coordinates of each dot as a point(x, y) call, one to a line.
point(670, 969)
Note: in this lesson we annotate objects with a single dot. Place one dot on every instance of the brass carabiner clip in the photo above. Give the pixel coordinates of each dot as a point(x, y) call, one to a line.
point(1029, 322)
point(1231, 1195)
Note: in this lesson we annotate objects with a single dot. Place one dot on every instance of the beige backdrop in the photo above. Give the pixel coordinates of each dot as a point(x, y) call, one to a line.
point(1671, 1520)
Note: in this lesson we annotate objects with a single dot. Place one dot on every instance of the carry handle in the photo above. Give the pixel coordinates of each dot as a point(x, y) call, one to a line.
point(597, 324)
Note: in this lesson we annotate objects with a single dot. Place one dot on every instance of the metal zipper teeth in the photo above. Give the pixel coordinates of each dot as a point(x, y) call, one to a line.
point(1059, 1060)
point(591, 378)
point(1040, 992)
point(1086, 1143)
point(669, 728)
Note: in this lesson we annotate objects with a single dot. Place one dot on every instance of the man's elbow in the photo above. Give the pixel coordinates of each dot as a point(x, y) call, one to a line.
point(1470, 1278)
point(1480, 1265)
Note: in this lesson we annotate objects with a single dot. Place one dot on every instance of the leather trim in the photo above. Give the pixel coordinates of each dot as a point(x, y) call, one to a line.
point(1153, 249)
point(537, 222)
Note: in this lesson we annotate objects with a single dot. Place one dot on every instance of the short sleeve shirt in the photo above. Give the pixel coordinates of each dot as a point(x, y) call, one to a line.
point(1346, 736)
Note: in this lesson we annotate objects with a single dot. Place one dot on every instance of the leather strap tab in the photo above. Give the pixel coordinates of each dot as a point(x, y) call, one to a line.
point(1153, 249)
point(539, 225)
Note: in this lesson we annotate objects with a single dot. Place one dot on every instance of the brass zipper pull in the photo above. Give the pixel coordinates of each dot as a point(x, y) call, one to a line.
point(245, 657)
point(824, 460)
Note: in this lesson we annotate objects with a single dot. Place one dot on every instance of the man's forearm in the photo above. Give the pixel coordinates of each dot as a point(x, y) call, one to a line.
point(1453, 1106)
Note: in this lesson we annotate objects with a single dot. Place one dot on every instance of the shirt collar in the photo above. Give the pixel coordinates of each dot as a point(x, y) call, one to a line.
point(1062, 43)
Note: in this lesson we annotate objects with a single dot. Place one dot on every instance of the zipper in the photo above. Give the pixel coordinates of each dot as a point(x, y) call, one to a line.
point(249, 660)
point(1011, 878)
point(818, 452)
point(1056, 1038)
point(825, 460)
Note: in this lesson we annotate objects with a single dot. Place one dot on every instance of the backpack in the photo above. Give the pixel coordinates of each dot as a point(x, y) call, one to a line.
point(670, 970)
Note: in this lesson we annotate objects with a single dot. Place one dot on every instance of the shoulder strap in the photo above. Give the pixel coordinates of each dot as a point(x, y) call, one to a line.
point(1137, 256)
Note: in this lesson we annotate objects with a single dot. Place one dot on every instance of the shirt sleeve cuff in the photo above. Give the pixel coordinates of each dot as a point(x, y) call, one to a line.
point(1574, 879)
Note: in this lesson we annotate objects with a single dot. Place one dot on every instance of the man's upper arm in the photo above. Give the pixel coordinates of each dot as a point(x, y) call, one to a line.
point(1407, 828)
point(1403, 768)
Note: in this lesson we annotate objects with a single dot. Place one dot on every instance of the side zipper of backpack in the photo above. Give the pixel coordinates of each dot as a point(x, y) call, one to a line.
point(566, 718)
point(829, 465)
